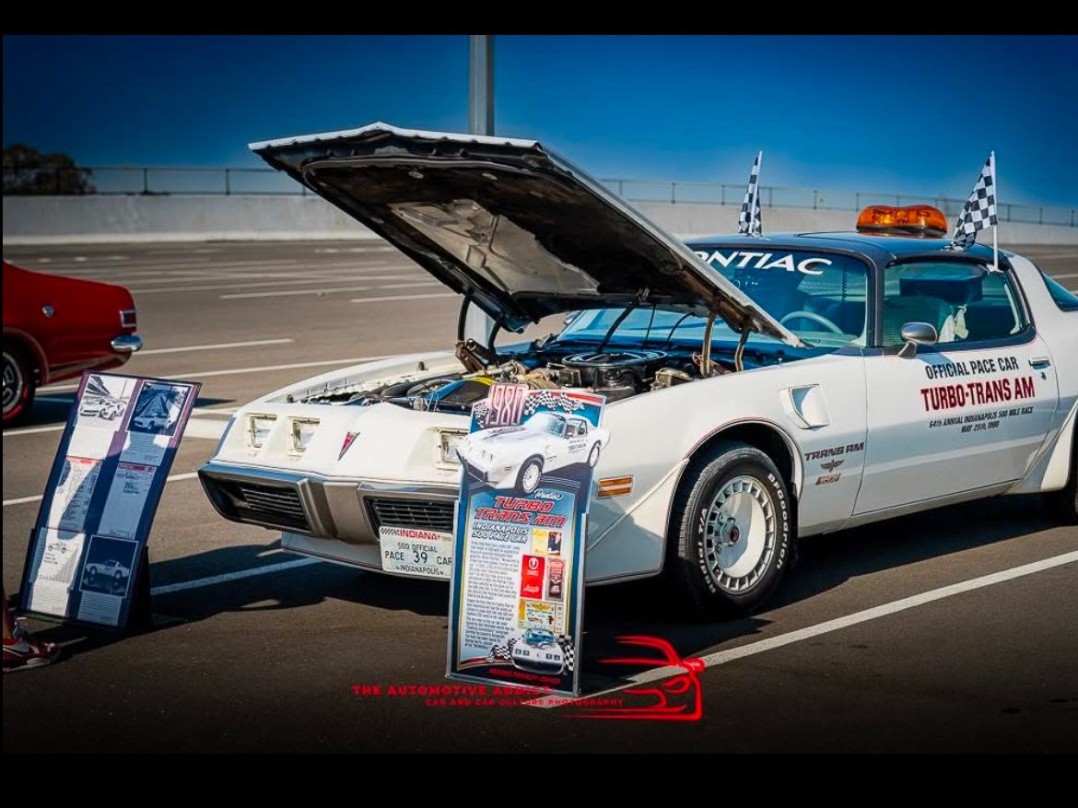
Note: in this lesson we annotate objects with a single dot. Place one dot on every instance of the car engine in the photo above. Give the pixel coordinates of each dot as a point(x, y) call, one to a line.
point(616, 373)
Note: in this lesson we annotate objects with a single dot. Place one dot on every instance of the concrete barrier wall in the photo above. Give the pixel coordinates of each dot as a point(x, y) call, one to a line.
point(113, 219)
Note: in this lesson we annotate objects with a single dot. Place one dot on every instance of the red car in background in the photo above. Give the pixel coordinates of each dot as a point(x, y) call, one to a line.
point(56, 327)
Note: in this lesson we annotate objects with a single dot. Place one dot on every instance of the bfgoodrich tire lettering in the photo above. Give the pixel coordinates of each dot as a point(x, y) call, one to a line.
point(732, 531)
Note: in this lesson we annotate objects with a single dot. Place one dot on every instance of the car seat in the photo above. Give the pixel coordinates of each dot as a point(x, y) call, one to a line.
point(937, 312)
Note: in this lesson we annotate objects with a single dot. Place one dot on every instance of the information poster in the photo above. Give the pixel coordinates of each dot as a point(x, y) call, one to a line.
point(94, 522)
point(517, 589)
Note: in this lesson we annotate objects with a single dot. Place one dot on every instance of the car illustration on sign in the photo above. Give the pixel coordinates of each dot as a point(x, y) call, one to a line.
point(110, 569)
point(736, 369)
point(101, 406)
point(518, 456)
point(538, 651)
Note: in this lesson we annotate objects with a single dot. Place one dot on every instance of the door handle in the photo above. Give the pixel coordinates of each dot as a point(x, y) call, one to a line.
point(1040, 362)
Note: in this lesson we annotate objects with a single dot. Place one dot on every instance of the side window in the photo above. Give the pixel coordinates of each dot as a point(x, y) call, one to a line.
point(1063, 297)
point(964, 302)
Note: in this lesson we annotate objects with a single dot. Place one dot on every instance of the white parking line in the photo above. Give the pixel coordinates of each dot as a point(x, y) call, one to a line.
point(330, 290)
point(11, 433)
point(204, 428)
point(202, 374)
point(402, 297)
point(175, 478)
point(291, 292)
point(215, 347)
point(34, 430)
point(722, 657)
point(409, 285)
point(309, 279)
point(233, 576)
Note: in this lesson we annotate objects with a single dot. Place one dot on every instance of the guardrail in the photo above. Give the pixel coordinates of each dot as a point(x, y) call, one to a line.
point(150, 181)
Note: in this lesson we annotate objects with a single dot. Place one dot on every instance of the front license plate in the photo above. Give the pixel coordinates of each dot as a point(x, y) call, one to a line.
point(414, 551)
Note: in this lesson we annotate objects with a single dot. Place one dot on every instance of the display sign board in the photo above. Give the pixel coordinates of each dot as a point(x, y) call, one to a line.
point(86, 557)
point(517, 589)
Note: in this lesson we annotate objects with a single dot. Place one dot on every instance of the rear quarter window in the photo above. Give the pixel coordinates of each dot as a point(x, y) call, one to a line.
point(1063, 297)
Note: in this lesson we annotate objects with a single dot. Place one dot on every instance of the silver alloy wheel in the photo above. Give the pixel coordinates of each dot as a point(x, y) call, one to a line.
point(531, 477)
point(739, 534)
point(13, 382)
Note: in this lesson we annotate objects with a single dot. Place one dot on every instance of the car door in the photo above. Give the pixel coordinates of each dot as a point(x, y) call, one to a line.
point(967, 413)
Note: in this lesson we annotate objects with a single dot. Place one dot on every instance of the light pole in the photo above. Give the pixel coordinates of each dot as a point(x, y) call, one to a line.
point(477, 325)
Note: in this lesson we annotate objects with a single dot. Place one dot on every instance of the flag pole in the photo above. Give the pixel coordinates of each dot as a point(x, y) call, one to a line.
point(995, 227)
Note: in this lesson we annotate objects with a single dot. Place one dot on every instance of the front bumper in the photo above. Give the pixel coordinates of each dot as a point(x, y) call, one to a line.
point(322, 507)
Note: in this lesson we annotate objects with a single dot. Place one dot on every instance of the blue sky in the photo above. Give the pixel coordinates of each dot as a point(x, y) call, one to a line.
point(894, 114)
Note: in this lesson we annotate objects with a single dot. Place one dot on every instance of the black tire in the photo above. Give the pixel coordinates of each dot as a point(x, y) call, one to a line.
point(1065, 501)
point(19, 384)
point(705, 531)
point(593, 455)
point(525, 483)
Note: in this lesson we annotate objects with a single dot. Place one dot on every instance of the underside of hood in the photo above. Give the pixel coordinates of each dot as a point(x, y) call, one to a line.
point(518, 230)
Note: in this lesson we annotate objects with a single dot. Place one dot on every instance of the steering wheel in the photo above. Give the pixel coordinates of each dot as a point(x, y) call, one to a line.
point(817, 318)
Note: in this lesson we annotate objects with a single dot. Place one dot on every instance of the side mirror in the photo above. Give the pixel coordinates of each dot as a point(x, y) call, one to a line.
point(914, 334)
point(571, 316)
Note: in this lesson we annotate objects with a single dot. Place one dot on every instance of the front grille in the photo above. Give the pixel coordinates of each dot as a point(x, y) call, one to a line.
point(263, 504)
point(432, 515)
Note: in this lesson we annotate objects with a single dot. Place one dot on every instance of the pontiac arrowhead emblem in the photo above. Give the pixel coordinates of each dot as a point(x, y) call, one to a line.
point(349, 439)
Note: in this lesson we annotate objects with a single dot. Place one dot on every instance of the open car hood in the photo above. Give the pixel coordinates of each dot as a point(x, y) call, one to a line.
point(519, 230)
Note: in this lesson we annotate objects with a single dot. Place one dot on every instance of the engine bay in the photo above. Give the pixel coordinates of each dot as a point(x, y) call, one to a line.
point(615, 372)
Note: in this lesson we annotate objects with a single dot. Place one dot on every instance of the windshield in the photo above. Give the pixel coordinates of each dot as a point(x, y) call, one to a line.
point(547, 422)
point(819, 296)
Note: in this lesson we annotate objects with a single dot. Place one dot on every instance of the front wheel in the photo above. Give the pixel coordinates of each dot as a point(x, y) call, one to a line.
point(19, 385)
point(732, 538)
point(530, 474)
point(593, 457)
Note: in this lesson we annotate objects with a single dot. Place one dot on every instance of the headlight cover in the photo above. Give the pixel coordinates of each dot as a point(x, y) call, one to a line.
point(448, 441)
point(301, 433)
point(258, 429)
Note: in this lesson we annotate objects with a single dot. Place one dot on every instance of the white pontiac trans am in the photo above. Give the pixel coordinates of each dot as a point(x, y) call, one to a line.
point(758, 388)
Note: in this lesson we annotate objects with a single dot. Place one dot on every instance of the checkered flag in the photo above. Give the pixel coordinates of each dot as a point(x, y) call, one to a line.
point(500, 653)
point(980, 209)
point(568, 650)
point(749, 222)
